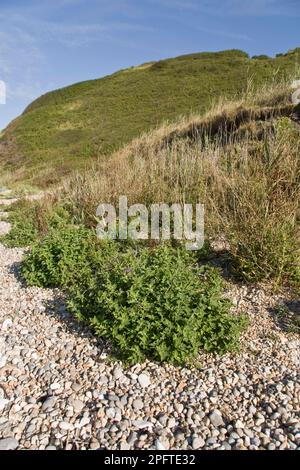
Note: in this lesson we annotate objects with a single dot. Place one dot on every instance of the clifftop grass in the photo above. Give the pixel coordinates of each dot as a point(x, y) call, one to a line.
point(64, 129)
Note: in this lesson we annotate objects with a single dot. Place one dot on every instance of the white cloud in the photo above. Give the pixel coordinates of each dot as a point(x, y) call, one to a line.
point(2, 92)
point(76, 34)
point(236, 7)
point(263, 7)
point(225, 34)
point(19, 60)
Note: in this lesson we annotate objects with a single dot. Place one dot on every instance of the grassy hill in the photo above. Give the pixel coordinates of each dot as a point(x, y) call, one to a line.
point(64, 129)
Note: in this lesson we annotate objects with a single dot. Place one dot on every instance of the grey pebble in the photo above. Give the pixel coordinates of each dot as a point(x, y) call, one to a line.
point(10, 443)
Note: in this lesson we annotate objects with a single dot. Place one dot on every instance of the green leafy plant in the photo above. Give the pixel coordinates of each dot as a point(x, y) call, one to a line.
point(157, 304)
point(59, 259)
point(23, 231)
point(154, 303)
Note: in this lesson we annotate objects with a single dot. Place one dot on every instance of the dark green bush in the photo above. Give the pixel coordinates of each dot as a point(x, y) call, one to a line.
point(23, 231)
point(261, 57)
point(157, 304)
point(60, 259)
point(151, 303)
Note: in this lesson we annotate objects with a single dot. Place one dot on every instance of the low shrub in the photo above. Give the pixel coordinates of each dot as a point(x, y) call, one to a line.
point(24, 230)
point(157, 304)
point(154, 303)
point(60, 258)
point(261, 57)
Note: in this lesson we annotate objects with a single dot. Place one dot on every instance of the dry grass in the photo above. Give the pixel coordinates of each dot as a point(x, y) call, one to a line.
point(166, 164)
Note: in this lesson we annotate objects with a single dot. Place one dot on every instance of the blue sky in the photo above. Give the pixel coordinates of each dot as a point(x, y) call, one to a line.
point(47, 44)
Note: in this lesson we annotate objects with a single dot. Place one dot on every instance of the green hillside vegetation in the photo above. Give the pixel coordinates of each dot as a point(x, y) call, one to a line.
point(64, 129)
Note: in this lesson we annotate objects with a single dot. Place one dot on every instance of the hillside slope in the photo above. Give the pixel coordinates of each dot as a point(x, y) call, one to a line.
point(63, 129)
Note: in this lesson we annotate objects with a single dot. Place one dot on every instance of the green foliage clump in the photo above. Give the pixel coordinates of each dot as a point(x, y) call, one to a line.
point(23, 231)
point(31, 221)
point(261, 57)
point(154, 303)
point(61, 258)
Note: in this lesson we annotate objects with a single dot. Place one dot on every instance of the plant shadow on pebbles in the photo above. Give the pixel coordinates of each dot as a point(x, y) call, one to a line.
point(15, 270)
point(57, 308)
point(286, 315)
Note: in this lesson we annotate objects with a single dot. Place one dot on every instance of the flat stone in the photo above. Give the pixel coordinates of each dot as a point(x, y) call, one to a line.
point(159, 445)
point(84, 422)
point(163, 419)
point(110, 413)
point(55, 386)
point(171, 423)
point(78, 405)
point(137, 404)
point(3, 403)
point(3, 361)
point(7, 324)
point(76, 387)
point(239, 424)
point(132, 438)
point(179, 407)
point(142, 424)
point(198, 443)
point(65, 426)
point(49, 404)
point(144, 380)
point(10, 443)
point(216, 418)
point(124, 446)
point(117, 373)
